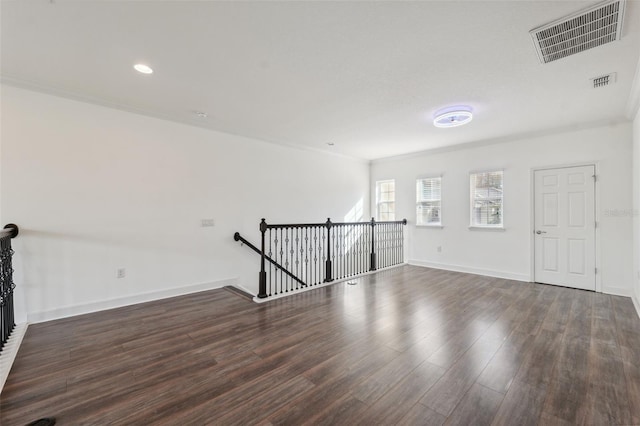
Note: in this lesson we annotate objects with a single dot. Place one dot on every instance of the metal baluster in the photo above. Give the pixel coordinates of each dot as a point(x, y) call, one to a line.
point(314, 244)
point(270, 265)
point(287, 257)
point(395, 244)
point(352, 247)
point(363, 261)
point(303, 254)
point(334, 261)
point(361, 241)
point(316, 256)
point(345, 251)
point(281, 260)
point(387, 242)
point(350, 250)
point(380, 246)
point(306, 255)
point(355, 260)
point(382, 256)
point(386, 246)
point(297, 267)
point(383, 251)
point(394, 239)
point(357, 249)
point(339, 253)
point(341, 247)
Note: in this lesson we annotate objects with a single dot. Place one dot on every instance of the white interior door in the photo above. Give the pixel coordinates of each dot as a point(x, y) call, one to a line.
point(565, 233)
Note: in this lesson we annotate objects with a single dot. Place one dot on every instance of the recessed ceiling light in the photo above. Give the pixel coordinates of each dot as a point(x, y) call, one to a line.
point(142, 68)
point(453, 117)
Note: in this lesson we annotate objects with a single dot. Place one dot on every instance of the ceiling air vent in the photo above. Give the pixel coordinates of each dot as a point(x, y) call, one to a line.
point(603, 80)
point(573, 34)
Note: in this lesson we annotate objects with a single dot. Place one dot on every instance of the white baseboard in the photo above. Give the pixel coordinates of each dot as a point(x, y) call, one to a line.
point(241, 287)
point(86, 308)
point(9, 352)
point(471, 270)
point(636, 303)
point(617, 291)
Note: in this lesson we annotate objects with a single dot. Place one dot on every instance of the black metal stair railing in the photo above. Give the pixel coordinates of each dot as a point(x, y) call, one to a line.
point(7, 319)
point(293, 256)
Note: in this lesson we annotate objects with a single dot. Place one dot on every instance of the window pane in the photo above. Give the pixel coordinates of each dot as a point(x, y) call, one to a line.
point(486, 199)
point(428, 199)
point(385, 200)
point(428, 213)
point(429, 189)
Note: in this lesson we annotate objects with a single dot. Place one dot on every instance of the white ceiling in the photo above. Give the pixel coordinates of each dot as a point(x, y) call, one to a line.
point(366, 76)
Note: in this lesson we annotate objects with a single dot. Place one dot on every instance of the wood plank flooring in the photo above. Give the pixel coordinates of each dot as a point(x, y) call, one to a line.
point(407, 346)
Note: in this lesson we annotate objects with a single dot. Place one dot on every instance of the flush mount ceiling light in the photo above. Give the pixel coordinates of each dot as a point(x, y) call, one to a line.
point(453, 117)
point(200, 114)
point(142, 68)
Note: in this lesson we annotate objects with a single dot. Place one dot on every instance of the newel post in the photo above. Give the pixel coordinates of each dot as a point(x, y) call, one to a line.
point(262, 290)
point(328, 274)
point(373, 245)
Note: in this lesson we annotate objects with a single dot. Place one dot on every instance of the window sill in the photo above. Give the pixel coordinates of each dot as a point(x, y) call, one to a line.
point(430, 226)
point(487, 228)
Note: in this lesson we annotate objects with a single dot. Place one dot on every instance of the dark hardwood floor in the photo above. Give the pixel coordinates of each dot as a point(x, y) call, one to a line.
point(408, 346)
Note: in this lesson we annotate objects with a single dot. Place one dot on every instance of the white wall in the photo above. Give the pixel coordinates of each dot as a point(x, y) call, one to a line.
point(508, 254)
point(636, 209)
point(96, 189)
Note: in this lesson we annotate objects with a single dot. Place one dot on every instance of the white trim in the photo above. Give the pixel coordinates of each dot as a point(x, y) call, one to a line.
point(246, 290)
point(598, 219)
point(487, 170)
point(435, 225)
point(634, 299)
point(377, 194)
point(486, 228)
point(430, 226)
point(430, 175)
point(86, 308)
point(516, 137)
point(309, 288)
point(10, 350)
point(616, 291)
point(471, 270)
point(471, 200)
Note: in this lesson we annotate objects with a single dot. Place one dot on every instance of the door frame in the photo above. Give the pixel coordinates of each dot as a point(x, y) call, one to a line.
point(532, 217)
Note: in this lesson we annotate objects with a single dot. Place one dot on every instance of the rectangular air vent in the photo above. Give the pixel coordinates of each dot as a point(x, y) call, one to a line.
point(587, 29)
point(603, 80)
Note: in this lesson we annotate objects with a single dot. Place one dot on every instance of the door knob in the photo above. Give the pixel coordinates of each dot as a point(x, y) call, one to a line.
point(541, 232)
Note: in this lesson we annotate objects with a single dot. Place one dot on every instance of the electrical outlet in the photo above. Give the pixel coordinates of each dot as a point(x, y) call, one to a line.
point(121, 273)
point(207, 222)
point(439, 249)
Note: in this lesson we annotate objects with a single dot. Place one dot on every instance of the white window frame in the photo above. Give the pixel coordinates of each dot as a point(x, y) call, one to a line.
point(379, 203)
point(419, 201)
point(472, 210)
